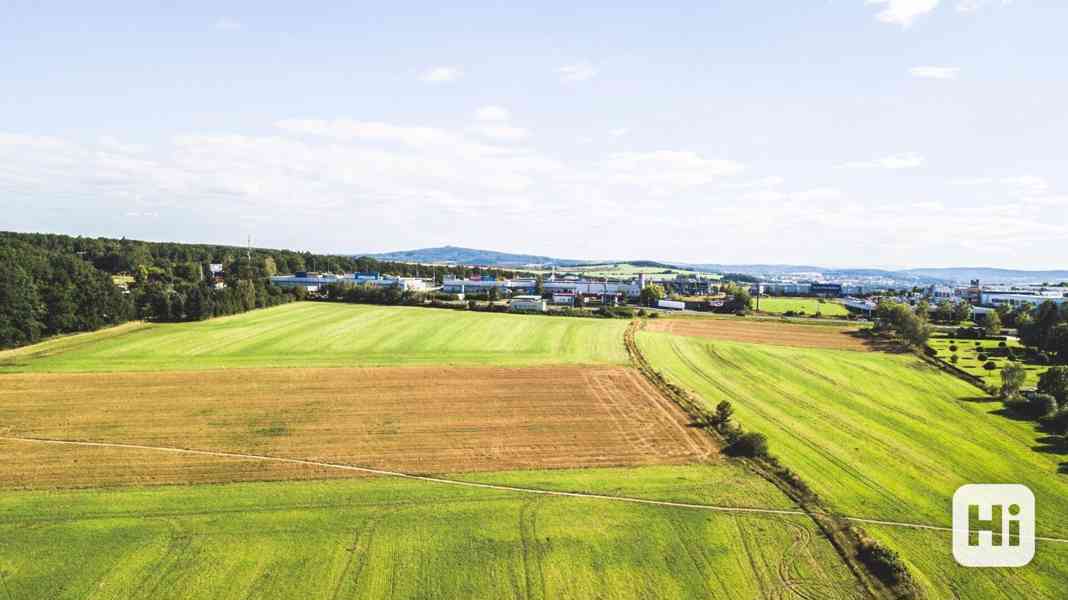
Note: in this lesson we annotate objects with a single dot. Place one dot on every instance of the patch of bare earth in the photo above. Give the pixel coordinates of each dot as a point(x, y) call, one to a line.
point(767, 332)
point(418, 420)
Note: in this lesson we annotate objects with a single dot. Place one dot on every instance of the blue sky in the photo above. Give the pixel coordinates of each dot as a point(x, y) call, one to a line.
point(842, 133)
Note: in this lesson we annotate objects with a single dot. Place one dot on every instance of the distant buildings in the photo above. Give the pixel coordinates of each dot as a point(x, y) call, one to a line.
point(528, 303)
point(313, 282)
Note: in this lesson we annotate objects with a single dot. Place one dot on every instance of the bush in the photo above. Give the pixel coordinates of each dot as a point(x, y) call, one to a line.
point(952, 347)
point(1042, 405)
point(953, 359)
point(883, 562)
point(990, 365)
point(929, 351)
point(749, 444)
point(1003, 345)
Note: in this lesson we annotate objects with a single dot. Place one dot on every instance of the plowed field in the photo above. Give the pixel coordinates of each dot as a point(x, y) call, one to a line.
point(420, 420)
point(765, 332)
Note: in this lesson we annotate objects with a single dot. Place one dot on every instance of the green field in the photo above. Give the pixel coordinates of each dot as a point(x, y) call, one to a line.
point(310, 334)
point(968, 352)
point(886, 435)
point(807, 306)
point(407, 539)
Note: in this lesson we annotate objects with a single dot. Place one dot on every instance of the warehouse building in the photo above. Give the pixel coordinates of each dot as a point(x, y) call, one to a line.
point(313, 282)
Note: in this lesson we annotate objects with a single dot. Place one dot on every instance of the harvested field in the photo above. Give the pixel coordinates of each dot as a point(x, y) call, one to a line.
point(765, 332)
point(420, 420)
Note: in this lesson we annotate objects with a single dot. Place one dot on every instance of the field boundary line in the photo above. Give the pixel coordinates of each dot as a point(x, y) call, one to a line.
point(492, 486)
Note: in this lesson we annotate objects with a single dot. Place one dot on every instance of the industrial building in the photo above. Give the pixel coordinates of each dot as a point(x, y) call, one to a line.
point(527, 303)
point(313, 282)
point(485, 284)
point(995, 299)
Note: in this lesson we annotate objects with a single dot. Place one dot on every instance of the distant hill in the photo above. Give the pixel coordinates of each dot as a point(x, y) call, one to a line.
point(925, 276)
point(987, 275)
point(472, 256)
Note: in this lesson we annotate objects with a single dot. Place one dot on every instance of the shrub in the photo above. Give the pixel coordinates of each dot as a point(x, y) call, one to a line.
point(749, 444)
point(982, 357)
point(990, 365)
point(952, 347)
point(1003, 345)
point(1042, 405)
point(883, 562)
point(953, 359)
point(929, 351)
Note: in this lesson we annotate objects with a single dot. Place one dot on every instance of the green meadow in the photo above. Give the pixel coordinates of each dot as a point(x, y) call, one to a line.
point(807, 306)
point(312, 334)
point(377, 538)
point(884, 436)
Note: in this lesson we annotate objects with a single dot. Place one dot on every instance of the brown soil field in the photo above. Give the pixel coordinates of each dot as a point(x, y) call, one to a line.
point(416, 420)
point(764, 332)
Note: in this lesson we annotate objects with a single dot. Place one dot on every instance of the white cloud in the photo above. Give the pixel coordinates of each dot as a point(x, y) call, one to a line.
point(492, 113)
point(933, 72)
point(907, 160)
point(663, 171)
point(504, 133)
point(968, 6)
point(442, 74)
point(903, 12)
point(618, 132)
point(227, 24)
point(580, 71)
point(111, 144)
point(1020, 184)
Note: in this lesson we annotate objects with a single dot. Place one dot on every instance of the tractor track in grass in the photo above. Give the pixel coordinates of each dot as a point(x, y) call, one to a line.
point(507, 488)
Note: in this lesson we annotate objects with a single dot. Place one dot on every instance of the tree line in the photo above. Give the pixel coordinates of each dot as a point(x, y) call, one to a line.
point(53, 284)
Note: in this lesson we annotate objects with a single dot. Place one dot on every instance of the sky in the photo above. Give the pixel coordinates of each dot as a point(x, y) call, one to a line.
point(879, 133)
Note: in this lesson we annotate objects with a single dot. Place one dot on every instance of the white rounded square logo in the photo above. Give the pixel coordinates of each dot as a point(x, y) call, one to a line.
point(993, 525)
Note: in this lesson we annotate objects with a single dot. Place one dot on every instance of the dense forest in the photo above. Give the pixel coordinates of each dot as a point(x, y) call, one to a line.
point(52, 284)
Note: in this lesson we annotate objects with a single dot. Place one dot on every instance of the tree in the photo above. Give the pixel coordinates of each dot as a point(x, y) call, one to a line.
point(962, 311)
point(945, 312)
point(724, 413)
point(20, 311)
point(1055, 383)
point(992, 322)
point(652, 293)
point(1013, 377)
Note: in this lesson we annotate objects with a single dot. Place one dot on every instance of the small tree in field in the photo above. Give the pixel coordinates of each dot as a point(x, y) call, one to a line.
point(1012, 379)
point(724, 412)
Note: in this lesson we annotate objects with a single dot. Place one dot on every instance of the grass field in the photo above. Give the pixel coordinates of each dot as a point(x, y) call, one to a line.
point(412, 419)
point(309, 334)
point(881, 434)
point(807, 306)
point(968, 352)
point(400, 539)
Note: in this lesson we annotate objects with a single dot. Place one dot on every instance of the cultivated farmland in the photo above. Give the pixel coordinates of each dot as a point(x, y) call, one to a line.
point(883, 434)
point(308, 334)
point(765, 332)
point(418, 419)
point(375, 538)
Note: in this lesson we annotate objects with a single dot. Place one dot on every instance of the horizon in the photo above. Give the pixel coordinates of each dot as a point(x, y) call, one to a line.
point(595, 260)
point(871, 134)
